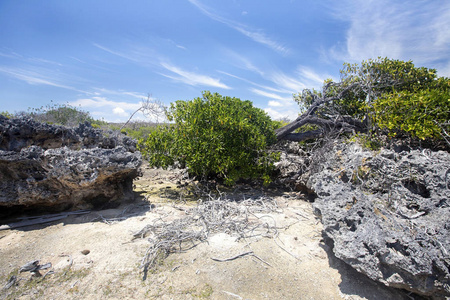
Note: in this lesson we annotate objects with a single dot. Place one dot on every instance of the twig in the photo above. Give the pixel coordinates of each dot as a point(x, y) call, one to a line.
point(218, 214)
point(175, 268)
point(301, 215)
point(282, 248)
point(256, 256)
point(48, 273)
point(73, 284)
point(234, 257)
point(12, 280)
point(233, 295)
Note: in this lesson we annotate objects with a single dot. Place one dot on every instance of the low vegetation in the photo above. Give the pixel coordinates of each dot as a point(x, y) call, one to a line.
point(378, 97)
point(226, 138)
point(214, 137)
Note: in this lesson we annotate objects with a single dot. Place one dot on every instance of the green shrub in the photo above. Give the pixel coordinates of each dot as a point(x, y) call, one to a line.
point(387, 94)
point(377, 77)
point(61, 114)
point(141, 132)
point(424, 113)
point(214, 136)
point(7, 114)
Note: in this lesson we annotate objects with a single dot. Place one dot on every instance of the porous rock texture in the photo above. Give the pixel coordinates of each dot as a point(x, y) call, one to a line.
point(52, 168)
point(387, 214)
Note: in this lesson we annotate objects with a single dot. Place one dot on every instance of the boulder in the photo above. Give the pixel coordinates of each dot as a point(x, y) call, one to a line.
point(387, 214)
point(52, 168)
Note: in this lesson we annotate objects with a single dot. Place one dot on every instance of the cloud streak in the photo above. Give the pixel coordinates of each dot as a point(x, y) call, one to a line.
point(192, 78)
point(35, 78)
point(417, 30)
point(254, 35)
point(121, 93)
point(102, 102)
point(270, 95)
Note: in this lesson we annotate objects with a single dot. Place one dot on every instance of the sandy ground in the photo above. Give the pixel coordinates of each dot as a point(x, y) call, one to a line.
point(296, 265)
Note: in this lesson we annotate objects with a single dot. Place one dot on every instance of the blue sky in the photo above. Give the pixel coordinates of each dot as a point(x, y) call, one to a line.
point(108, 55)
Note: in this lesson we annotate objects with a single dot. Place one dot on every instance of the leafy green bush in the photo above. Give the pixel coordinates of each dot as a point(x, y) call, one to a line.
point(423, 113)
point(214, 136)
point(376, 77)
point(387, 94)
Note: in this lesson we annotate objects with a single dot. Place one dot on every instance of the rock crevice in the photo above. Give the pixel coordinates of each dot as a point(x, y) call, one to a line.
point(388, 214)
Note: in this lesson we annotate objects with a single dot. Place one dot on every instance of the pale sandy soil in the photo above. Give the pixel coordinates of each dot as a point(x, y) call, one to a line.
point(297, 265)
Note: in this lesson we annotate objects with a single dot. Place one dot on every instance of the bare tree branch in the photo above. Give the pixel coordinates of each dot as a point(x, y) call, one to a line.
point(339, 122)
point(150, 108)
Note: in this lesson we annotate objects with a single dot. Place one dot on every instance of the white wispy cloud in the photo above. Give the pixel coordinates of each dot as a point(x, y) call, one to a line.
point(275, 103)
point(192, 78)
point(241, 62)
point(280, 103)
point(176, 44)
point(287, 82)
point(276, 90)
point(36, 78)
point(121, 93)
point(102, 102)
point(117, 53)
point(310, 76)
point(255, 35)
point(269, 95)
point(155, 61)
point(416, 30)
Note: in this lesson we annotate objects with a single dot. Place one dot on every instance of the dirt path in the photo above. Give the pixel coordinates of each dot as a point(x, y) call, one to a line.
point(295, 265)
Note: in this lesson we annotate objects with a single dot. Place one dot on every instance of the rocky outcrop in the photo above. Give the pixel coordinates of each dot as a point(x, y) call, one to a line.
point(16, 134)
point(51, 168)
point(388, 214)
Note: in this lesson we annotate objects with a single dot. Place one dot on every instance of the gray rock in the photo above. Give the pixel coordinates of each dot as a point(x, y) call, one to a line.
point(16, 134)
point(51, 168)
point(388, 214)
point(292, 166)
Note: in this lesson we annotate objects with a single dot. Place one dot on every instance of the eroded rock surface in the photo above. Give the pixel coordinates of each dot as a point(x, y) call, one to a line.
point(388, 214)
point(48, 167)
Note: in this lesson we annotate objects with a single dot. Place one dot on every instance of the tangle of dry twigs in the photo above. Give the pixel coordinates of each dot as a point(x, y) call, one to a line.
point(213, 215)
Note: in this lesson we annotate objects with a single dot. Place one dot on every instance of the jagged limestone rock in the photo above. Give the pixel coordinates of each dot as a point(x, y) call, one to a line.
point(388, 214)
point(50, 168)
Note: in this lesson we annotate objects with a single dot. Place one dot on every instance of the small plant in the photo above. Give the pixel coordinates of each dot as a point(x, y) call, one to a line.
point(7, 114)
point(360, 174)
point(370, 142)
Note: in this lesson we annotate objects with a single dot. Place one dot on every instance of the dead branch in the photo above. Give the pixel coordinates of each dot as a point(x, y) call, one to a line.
point(333, 123)
point(215, 215)
point(234, 257)
point(150, 108)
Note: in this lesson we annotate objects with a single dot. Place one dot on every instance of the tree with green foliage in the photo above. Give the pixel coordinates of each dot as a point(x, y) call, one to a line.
point(214, 136)
point(377, 94)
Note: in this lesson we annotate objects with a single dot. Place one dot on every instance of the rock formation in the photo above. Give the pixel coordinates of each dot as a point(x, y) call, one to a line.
point(51, 168)
point(387, 213)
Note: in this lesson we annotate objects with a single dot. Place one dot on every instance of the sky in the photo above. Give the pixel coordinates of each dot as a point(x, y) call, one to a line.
point(107, 56)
